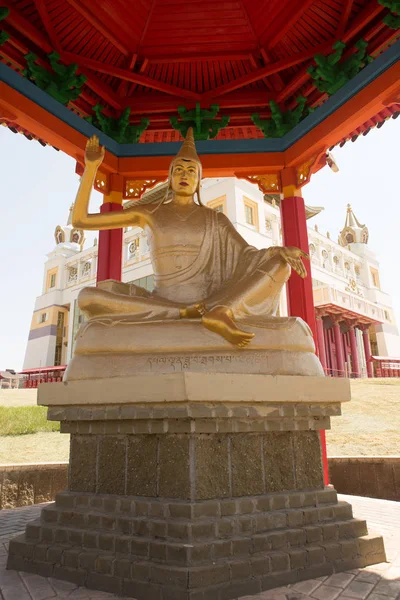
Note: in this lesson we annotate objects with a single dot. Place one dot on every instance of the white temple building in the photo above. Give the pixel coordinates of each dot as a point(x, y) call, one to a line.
point(347, 291)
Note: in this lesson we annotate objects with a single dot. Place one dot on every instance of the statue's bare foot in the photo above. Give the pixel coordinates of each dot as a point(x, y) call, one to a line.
point(192, 312)
point(220, 320)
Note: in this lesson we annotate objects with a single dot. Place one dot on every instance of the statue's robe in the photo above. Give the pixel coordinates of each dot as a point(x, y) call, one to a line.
point(226, 271)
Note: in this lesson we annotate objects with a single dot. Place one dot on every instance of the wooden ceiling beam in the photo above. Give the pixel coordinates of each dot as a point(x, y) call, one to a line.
point(123, 85)
point(302, 76)
point(273, 16)
point(266, 71)
point(370, 12)
point(286, 19)
point(95, 84)
point(95, 65)
point(344, 18)
point(275, 77)
point(102, 89)
point(156, 103)
point(23, 26)
point(386, 37)
point(15, 39)
point(11, 55)
point(51, 32)
point(78, 5)
point(220, 56)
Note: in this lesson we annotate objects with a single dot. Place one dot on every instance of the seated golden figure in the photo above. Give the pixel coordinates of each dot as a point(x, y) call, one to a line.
point(203, 268)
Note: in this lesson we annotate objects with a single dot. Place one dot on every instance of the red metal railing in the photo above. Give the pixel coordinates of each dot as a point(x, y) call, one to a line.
point(380, 369)
point(45, 375)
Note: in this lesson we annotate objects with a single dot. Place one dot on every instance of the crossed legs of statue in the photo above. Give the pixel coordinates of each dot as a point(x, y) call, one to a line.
point(95, 302)
point(256, 295)
point(253, 295)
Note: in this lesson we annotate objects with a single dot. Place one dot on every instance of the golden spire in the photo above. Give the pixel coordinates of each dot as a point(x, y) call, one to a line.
point(188, 148)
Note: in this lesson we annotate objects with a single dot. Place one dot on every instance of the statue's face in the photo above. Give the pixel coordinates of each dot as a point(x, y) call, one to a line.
point(185, 177)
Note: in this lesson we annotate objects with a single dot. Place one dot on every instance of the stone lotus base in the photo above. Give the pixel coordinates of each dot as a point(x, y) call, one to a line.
point(119, 346)
point(175, 495)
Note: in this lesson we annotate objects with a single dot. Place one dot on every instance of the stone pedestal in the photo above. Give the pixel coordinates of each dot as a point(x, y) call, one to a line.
point(194, 486)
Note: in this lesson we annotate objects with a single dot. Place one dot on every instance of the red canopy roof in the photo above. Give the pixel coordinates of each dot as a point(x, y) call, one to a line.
point(156, 55)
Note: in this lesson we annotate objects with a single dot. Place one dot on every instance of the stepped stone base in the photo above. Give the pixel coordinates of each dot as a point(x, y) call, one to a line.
point(155, 549)
point(194, 486)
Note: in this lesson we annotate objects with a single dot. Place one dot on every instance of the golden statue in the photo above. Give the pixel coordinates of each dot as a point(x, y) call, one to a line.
point(203, 268)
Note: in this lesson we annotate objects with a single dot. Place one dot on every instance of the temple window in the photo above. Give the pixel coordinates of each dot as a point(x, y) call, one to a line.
point(133, 249)
point(375, 277)
point(349, 238)
point(324, 258)
point(59, 236)
point(52, 280)
point(145, 282)
point(43, 318)
point(311, 249)
point(73, 274)
point(86, 269)
point(268, 225)
point(145, 244)
point(251, 212)
point(218, 204)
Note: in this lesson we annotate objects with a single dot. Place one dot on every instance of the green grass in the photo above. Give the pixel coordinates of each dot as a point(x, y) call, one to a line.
point(20, 420)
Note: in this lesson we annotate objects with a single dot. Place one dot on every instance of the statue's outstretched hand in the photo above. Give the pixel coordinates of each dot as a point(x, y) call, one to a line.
point(94, 153)
point(293, 257)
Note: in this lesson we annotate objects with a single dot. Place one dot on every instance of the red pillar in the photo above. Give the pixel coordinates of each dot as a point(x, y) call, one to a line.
point(339, 349)
point(299, 291)
point(329, 351)
point(355, 363)
point(109, 258)
point(367, 350)
point(321, 343)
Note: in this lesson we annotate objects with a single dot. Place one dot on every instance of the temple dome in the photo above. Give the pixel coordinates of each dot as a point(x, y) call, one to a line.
point(353, 231)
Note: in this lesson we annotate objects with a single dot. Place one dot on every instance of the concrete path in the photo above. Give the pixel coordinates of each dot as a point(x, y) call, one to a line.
point(378, 582)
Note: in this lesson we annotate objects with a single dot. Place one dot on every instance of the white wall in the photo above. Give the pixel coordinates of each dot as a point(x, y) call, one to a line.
point(40, 352)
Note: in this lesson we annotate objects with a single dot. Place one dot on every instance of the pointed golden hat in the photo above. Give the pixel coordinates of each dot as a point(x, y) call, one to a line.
point(187, 152)
point(188, 148)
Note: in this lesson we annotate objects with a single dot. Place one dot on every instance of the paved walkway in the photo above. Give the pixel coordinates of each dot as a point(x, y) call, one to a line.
point(378, 582)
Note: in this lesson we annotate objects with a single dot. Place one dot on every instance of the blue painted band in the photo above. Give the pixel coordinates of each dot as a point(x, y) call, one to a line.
point(364, 78)
point(42, 332)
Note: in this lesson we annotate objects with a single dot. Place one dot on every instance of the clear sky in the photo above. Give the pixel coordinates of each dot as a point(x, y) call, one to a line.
point(38, 185)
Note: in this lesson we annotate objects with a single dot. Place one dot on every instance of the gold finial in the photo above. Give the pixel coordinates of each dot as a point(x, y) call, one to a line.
point(188, 148)
point(349, 208)
point(71, 208)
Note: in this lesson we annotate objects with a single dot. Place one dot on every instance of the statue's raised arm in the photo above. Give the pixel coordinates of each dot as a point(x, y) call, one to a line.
point(94, 154)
